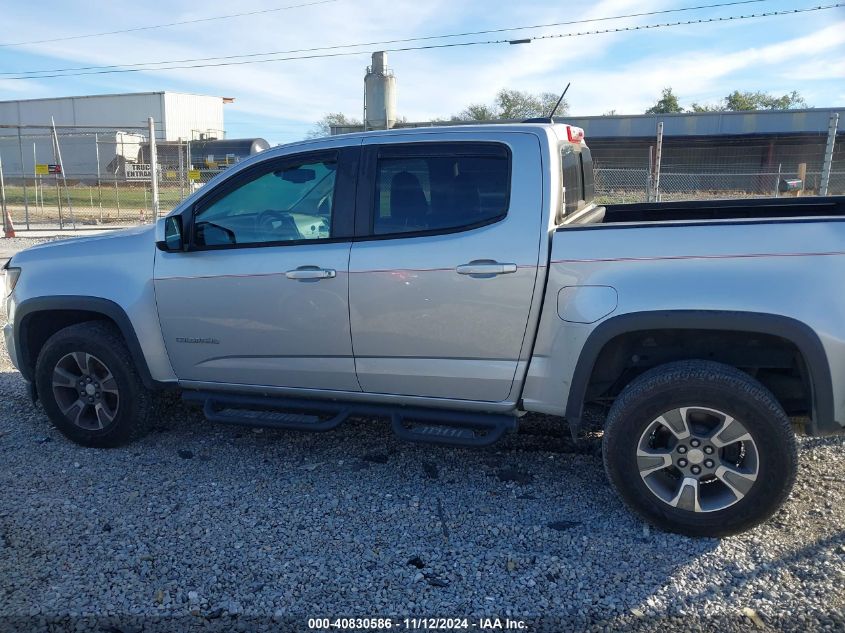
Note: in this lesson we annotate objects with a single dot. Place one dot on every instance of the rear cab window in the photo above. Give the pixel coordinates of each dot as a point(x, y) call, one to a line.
point(440, 187)
point(577, 177)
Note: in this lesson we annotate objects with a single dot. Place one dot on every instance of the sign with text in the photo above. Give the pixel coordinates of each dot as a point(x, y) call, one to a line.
point(138, 172)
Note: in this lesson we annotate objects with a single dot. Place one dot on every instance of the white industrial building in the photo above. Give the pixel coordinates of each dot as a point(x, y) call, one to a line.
point(98, 134)
point(178, 115)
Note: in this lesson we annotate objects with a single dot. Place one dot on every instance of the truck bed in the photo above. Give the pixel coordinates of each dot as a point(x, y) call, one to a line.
point(751, 208)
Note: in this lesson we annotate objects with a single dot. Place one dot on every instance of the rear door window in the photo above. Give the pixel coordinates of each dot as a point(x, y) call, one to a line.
point(440, 187)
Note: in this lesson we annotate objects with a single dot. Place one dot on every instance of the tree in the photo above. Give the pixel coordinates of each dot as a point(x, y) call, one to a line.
point(762, 101)
point(706, 107)
point(667, 104)
point(323, 127)
point(735, 101)
point(475, 112)
point(512, 104)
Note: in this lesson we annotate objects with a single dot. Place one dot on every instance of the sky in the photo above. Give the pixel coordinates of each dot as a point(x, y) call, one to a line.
point(280, 101)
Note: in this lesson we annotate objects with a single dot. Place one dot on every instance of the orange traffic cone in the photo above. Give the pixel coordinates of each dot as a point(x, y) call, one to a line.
point(8, 227)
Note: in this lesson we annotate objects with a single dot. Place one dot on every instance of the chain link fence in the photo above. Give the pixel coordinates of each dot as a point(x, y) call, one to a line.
point(96, 176)
point(79, 176)
point(621, 185)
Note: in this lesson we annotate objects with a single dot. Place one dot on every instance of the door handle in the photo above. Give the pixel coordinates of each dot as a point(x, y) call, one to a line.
point(485, 268)
point(304, 273)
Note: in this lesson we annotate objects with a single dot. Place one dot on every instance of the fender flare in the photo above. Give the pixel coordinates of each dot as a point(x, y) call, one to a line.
point(799, 333)
point(98, 305)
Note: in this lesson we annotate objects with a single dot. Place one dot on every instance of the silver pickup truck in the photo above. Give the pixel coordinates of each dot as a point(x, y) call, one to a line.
point(452, 279)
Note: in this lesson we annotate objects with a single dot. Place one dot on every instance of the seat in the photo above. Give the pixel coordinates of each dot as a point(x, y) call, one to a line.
point(467, 199)
point(462, 204)
point(408, 204)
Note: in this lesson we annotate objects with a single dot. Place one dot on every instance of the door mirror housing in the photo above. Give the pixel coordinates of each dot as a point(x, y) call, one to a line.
point(173, 240)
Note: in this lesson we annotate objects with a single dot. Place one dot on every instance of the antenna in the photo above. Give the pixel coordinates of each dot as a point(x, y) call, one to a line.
point(559, 101)
point(549, 119)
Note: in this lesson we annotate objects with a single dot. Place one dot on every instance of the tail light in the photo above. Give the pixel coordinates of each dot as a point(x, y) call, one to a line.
point(574, 134)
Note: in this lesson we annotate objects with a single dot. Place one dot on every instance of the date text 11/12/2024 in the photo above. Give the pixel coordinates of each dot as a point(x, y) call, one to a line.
point(417, 624)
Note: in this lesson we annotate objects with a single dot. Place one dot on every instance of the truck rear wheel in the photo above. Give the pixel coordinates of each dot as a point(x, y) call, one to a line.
point(700, 448)
point(89, 387)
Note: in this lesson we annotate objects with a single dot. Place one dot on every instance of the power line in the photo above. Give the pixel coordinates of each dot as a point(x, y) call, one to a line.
point(642, 27)
point(170, 24)
point(385, 42)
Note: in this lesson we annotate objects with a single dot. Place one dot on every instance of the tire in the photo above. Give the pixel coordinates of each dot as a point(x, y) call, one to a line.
point(115, 406)
point(749, 466)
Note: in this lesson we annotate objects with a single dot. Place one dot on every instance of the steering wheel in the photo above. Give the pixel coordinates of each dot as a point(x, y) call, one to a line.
point(279, 223)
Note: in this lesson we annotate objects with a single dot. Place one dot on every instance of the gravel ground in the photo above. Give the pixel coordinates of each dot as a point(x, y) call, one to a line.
point(205, 527)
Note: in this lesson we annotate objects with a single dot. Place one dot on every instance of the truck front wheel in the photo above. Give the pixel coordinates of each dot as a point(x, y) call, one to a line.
point(700, 448)
point(89, 386)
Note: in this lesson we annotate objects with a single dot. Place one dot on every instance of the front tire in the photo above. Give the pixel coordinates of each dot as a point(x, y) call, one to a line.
point(90, 388)
point(700, 448)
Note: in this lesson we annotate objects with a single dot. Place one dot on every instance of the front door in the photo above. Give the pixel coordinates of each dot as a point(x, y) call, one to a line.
point(261, 297)
point(441, 288)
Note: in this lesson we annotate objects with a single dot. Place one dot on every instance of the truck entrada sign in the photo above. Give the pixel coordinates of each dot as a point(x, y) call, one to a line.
point(138, 172)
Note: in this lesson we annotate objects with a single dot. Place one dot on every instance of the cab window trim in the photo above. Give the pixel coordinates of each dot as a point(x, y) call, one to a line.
point(365, 208)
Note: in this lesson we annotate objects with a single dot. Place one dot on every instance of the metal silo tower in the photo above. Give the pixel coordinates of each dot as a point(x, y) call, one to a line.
point(379, 95)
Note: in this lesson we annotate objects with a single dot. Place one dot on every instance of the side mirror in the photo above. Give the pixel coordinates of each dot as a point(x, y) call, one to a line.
point(173, 240)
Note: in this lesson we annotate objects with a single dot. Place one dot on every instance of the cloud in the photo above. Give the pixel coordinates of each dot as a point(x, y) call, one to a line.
point(622, 71)
point(702, 75)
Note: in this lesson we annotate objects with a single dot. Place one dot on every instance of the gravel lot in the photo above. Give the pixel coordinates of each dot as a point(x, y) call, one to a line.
point(208, 527)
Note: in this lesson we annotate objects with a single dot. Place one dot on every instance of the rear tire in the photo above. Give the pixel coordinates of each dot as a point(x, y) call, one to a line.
point(700, 448)
point(90, 388)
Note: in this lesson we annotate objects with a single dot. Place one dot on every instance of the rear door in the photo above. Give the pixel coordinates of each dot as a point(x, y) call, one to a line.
point(443, 270)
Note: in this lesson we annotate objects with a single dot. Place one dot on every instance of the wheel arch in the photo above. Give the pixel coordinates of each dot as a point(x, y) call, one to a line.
point(31, 332)
point(799, 334)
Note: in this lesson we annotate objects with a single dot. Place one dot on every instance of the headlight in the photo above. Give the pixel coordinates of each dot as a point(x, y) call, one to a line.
point(11, 276)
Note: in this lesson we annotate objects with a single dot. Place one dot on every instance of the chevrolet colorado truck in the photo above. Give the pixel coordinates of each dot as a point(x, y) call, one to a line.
point(452, 279)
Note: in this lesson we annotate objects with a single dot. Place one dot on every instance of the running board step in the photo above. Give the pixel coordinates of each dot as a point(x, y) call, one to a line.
point(450, 428)
point(276, 413)
point(430, 426)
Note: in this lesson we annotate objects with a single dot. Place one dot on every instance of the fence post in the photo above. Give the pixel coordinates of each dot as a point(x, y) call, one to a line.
point(802, 176)
point(8, 229)
point(188, 167)
point(828, 153)
point(650, 174)
point(23, 176)
point(99, 186)
point(36, 179)
point(658, 154)
point(54, 140)
point(153, 168)
point(62, 169)
point(181, 171)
